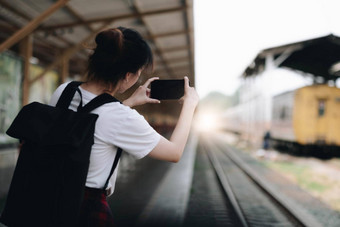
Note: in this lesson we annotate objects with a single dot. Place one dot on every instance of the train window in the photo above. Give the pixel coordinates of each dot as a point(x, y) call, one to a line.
point(321, 108)
point(283, 113)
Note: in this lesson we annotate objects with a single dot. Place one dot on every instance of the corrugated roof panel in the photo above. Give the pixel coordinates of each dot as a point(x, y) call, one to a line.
point(179, 74)
point(164, 23)
point(90, 9)
point(59, 17)
point(26, 7)
point(158, 67)
point(13, 18)
point(76, 34)
point(181, 70)
point(53, 39)
point(37, 7)
point(150, 5)
point(171, 41)
point(33, 9)
point(130, 23)
point(143, 31)
point(96, 25)
point(178, 64)
point(175, 54)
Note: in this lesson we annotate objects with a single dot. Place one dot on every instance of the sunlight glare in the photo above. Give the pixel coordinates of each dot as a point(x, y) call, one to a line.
point(206, 122)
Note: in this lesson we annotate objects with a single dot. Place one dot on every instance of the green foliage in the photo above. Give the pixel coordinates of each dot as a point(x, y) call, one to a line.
point(302, 175)
point(216, 101)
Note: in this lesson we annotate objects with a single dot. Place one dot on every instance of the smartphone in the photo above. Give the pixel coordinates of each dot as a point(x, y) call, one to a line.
point(167, 89)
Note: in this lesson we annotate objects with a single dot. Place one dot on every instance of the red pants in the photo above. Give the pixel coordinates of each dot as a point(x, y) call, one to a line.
point(95, 211)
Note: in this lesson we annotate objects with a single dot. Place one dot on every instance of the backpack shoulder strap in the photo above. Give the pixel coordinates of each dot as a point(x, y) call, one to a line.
point(93, 104)
point(115, 163)
point(98, 101)
point(67, 95)
point(65, 100)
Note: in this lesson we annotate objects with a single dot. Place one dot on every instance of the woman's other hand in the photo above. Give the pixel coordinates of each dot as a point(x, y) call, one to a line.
point(190, 95)
point(141, 95)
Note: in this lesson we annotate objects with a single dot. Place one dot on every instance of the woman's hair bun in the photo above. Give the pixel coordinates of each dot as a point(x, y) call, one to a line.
point(110, 41)
point(118, 51)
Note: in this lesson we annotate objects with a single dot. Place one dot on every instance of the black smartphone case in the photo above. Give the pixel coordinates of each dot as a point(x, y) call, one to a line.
point(167, 89)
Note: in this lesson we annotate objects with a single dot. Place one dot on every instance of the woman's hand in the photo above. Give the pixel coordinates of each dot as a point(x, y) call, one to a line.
point(141, 95)
point(190, 95)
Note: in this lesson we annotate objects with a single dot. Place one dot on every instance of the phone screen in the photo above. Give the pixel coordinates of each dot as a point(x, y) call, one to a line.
point(167, 89)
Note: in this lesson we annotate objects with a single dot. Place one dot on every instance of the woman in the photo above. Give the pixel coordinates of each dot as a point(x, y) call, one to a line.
point(115, 65)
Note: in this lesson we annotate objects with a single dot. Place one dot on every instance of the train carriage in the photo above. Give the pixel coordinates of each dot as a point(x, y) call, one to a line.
point(308, 117)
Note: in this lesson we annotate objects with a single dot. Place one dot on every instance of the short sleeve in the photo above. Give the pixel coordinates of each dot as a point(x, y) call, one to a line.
point(130, 131)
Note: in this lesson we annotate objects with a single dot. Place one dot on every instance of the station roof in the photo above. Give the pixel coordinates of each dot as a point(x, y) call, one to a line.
point(167, 25)
point(319, 57)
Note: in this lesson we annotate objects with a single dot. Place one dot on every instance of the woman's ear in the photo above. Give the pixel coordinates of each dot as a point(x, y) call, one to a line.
point(128, 76)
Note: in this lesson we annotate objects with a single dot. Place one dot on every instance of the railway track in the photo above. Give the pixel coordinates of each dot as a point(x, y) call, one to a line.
point(252, 199)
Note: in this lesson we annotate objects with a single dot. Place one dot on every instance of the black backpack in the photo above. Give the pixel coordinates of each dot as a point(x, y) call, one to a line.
point(48, 184)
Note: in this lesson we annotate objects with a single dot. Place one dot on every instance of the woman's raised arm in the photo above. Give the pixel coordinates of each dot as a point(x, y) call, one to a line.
point(172, 150)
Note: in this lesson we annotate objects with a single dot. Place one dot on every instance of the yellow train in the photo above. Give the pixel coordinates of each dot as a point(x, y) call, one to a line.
point(307, 119)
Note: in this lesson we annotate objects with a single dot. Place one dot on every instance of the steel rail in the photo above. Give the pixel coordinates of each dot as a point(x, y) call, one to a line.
point(298, 215)
point(226, 186)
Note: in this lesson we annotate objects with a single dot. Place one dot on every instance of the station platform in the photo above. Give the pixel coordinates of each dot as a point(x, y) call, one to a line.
point(151, 193)
point(156, 193)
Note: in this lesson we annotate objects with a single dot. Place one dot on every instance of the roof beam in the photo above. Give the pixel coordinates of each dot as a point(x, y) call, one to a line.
point(136, 14)
point(23, 32)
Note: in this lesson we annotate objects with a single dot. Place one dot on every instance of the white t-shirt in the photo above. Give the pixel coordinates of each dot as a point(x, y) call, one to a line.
point(117, 126)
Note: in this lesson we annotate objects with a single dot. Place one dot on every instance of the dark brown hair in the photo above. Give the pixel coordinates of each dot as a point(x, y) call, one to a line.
point(118, 51)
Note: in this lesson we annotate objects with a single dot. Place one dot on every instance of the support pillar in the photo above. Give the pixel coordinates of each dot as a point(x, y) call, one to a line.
point(26, 49)
point(64, 69)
